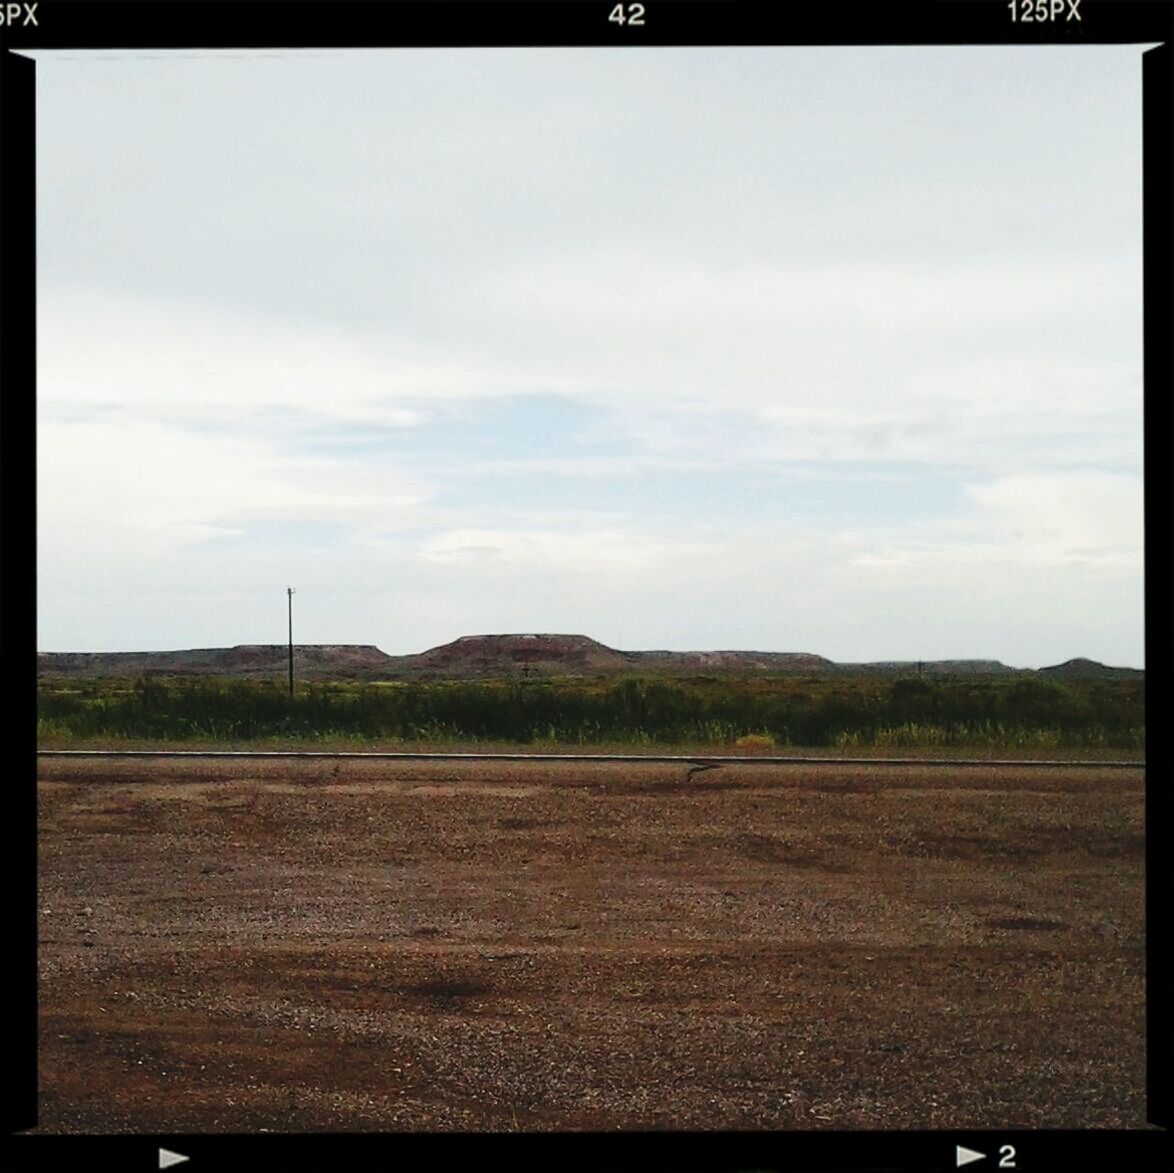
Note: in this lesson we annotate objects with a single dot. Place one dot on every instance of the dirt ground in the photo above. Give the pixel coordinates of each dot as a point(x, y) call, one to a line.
point(243, 946)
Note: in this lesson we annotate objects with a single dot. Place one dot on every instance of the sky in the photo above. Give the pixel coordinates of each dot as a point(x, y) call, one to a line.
point(792, 349)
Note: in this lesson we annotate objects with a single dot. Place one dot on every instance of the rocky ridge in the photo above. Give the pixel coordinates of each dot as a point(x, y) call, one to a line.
point(510, 655)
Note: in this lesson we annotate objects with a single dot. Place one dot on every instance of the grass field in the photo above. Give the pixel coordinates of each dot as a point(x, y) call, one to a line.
point(850, 713)
point(363, 945)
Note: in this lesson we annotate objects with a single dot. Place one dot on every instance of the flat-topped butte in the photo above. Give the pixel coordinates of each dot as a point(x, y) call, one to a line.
point(522, 654)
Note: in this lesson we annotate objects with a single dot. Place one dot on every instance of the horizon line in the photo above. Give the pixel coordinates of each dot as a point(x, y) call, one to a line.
point(282, 646)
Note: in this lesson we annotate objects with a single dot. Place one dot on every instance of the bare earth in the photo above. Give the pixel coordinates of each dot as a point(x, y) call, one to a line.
point(305, 946)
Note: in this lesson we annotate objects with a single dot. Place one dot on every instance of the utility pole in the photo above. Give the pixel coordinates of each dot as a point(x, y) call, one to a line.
point(290, 594)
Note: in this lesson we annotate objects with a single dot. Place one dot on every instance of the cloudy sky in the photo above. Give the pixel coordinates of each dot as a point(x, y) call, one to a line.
point(822, 350)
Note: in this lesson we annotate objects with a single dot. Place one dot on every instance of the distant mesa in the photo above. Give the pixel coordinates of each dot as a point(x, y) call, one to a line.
point(247, 660)
point(1084, 669)
point(519, 655)
point(932, 667)
point(482, 654)
point(579, 654)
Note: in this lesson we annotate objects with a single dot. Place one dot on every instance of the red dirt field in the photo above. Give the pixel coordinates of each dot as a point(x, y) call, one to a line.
point(241, 946)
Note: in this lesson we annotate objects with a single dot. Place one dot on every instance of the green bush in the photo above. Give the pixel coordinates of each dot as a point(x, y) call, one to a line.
point(787, 711)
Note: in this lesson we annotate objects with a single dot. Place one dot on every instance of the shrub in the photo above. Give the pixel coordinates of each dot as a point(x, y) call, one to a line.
point(755, 741)
point(752, 713)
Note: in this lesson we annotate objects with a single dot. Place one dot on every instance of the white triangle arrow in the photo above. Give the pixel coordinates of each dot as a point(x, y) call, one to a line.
point(965, 1156)
point(167, 1158)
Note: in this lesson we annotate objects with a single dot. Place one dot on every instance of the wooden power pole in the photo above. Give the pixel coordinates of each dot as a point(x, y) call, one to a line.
point(289, 591)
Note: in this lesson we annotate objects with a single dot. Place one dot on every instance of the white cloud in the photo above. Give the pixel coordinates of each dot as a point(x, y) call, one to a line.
point(636, 294)
point(1088, 523)
point(1092, 518)
point(102, 353)
point(158, 486)
point(973, 363)
point(566, 552)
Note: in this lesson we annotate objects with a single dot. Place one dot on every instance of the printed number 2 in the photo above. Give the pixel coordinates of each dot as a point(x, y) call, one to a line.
point(627, 14)
point(1007, 1152)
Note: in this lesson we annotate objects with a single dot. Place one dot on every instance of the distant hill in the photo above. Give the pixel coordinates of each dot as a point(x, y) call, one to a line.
point(247, 660)
point(518, 655)
point(932, 668)
point(733, 661)
point(521, 654)
point(1080, 669)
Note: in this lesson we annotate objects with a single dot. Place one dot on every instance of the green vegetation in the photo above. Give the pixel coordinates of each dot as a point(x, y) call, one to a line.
point(1023, 712)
